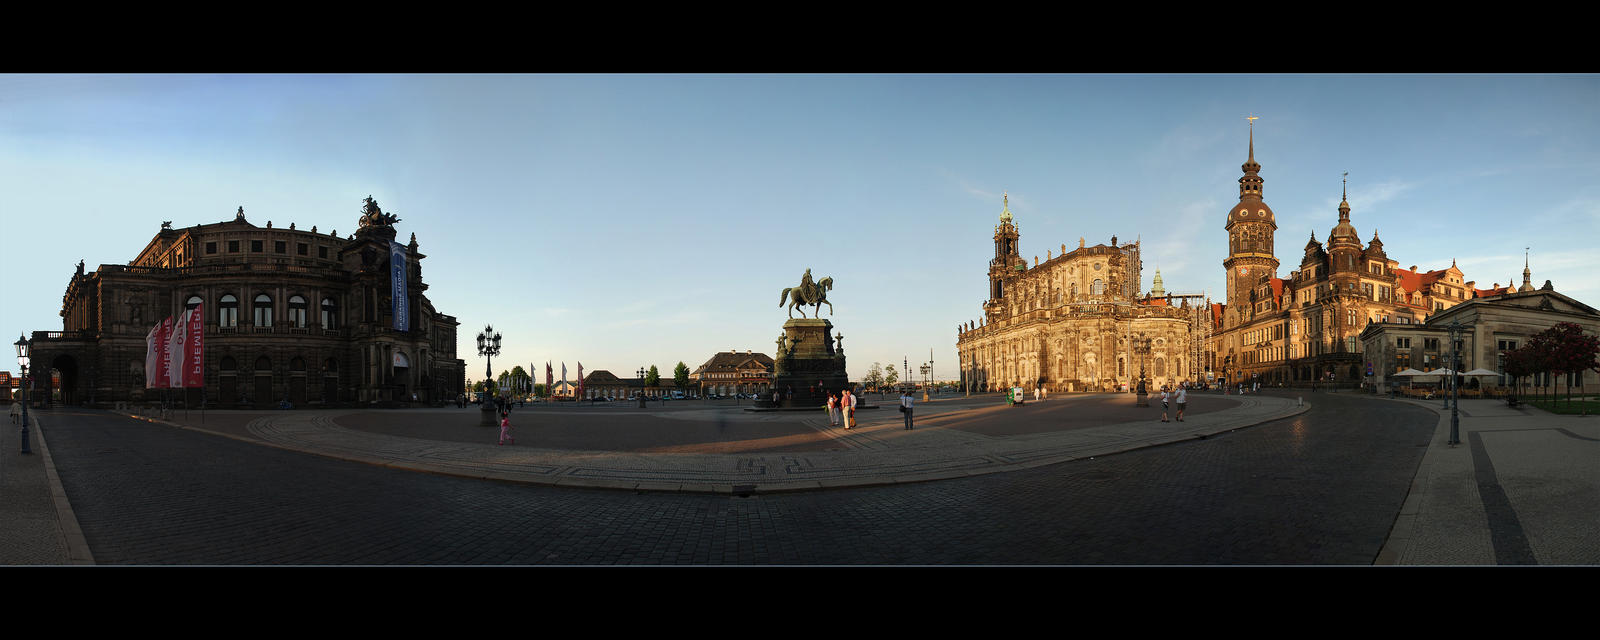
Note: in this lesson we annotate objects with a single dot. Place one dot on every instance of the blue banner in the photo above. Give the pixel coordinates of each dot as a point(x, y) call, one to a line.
point(397, 279)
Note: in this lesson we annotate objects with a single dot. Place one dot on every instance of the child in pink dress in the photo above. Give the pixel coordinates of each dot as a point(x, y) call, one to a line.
point(505, 428)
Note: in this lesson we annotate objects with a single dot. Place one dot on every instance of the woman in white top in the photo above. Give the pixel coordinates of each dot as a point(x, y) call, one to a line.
point(1164, 398)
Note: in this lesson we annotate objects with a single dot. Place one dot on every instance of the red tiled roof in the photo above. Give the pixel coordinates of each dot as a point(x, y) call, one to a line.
point(1277, 292)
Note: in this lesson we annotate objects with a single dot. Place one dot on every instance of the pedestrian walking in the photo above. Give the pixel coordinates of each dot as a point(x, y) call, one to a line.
point(16, 411)
point(833, 410)
point(505, 428)
point(1164, 398)
point(849, 402)
point(1183, 401)
point(905, 408)
point(1035, 393)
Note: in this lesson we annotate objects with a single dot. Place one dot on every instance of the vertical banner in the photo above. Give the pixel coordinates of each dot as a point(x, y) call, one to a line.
point(580, 379)
point(549, 379)
point(397, 288)
point(152, 356)
point(164, 349)
point(194, 360)
point(175, 349)
point(563, 374)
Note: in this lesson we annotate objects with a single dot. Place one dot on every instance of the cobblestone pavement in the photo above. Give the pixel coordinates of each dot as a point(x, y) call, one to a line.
point(1323, 487)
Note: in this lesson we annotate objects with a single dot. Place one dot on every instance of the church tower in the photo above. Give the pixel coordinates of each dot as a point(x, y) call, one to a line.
point(1250, 229)
point(1006, 263)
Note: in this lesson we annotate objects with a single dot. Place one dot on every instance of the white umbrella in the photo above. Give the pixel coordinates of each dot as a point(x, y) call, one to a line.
point(1441, 371)
point(1407, 373)
point(1481, 372)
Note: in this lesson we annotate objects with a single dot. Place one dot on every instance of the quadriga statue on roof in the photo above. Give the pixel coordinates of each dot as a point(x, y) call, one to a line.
point(808, 293)
point(372, 216)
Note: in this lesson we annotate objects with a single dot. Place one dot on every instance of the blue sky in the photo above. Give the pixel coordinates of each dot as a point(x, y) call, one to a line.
point(630, 220)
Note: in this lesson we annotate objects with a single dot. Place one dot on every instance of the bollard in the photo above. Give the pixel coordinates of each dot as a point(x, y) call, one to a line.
point(1299, 401)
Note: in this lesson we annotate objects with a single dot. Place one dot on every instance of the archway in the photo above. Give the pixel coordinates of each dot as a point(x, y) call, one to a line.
point(64, 372)
point(402, 376)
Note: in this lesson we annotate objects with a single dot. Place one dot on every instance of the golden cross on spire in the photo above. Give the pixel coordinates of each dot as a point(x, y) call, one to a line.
point(1252, 119)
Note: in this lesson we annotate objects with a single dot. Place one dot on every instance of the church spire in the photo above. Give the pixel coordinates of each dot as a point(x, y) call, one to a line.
point(1005, 208)
point(1527, 276)
point(1250, 184)
point(1344, 199)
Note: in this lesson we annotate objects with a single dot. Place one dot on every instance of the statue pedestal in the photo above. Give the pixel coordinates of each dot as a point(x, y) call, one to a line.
point(806, 372)
point(488, 417)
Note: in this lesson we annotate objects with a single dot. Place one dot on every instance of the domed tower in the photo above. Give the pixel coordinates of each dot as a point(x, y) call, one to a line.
point(1250, 229)
point(1006, 263)
point(1344, 245)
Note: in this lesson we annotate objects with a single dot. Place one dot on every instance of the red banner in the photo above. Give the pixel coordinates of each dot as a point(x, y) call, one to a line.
point(194, 360)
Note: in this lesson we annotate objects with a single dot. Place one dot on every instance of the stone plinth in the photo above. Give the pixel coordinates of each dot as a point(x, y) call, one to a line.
point(810, 365)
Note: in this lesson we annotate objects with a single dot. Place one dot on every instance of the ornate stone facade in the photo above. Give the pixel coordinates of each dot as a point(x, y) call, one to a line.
point(1075, 322)
point(289, 314)
point(1306, 327)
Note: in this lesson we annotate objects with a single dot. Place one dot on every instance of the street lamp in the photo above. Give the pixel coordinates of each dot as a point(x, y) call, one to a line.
point(23, 356)
point(488, 347)
point(1455, 389)
point(641, 387)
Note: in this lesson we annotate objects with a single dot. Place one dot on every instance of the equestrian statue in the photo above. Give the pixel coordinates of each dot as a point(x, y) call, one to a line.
point(808, 293)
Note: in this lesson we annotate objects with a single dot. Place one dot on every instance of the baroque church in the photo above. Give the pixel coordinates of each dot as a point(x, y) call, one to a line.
point(1076, 322)
point(1306, 327)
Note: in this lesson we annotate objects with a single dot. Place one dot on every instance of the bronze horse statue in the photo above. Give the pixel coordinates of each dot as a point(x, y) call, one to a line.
point(808, 293)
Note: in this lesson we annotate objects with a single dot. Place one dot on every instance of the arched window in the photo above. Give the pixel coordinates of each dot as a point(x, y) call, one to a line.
point(263, 310)
point(297, 312)
point(331, 366)
point(228, 364)
point(330, 314)
point(1098, 287)
point(297, 364)
point(228, 311)
point(191, 303)
point(263, 365)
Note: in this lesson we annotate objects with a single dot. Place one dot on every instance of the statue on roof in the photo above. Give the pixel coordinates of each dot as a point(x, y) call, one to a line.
point(372, 216)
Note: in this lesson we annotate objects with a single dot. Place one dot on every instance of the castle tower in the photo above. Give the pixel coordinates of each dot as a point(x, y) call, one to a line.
point(1250, 229)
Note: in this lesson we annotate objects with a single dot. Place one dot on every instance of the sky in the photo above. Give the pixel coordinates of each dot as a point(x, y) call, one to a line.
point(624, 221)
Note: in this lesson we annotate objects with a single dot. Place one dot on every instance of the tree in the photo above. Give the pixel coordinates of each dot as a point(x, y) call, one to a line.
point(874, 379)
point(521, 377)
point(539, 389)
point(1567, 351)
point(680, 376)
point(890, 376)
point(652, 377)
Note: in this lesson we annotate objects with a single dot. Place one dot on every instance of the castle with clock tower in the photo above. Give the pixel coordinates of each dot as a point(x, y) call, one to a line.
point(1305, 327)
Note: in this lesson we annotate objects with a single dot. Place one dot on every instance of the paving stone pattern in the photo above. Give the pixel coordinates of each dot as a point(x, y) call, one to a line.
point(1323, 487)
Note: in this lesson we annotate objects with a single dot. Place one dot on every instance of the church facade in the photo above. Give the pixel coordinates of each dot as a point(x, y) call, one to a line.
point(289, 314)
point(1076, 322)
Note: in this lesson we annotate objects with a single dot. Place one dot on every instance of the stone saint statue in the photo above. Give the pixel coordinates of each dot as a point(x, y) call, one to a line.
point(840, 339)
point(781, 351)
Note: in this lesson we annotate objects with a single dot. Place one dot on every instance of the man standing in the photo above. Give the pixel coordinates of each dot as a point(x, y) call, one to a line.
point(905, 408)
point(1183, 401)
point(849, 402)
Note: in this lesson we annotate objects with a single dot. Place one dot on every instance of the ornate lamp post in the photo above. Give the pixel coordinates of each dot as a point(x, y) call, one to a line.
point(1141, 346)
point(926, 382)
point(641, 387)
point(488, 347)
point(23, 356)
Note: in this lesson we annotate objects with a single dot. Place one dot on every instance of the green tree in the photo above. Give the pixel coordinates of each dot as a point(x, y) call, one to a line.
point(652, 377)
point(890, 376)
point(520, 376)
point(539, 390)
point(680, 376)
point(874, 379)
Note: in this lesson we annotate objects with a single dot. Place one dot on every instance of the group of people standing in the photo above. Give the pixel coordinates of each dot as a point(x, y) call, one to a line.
point(842, 408)
point(1180, 395)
